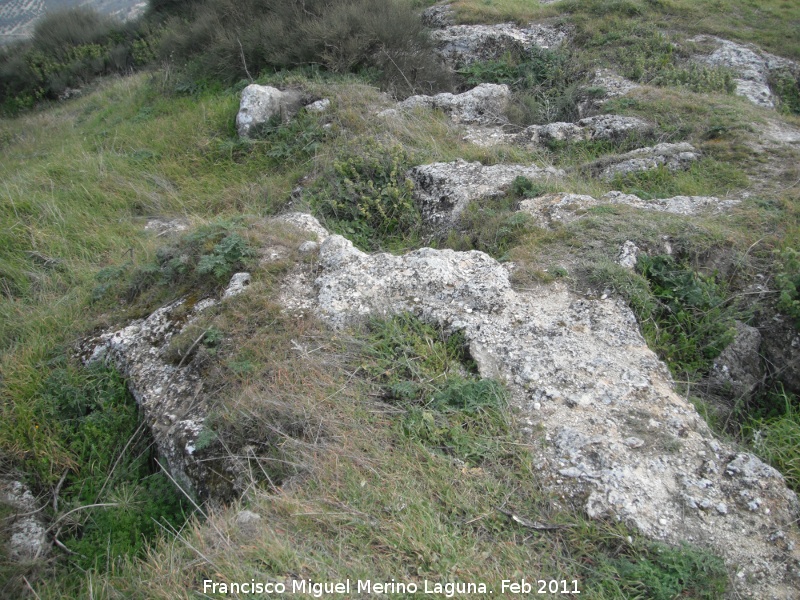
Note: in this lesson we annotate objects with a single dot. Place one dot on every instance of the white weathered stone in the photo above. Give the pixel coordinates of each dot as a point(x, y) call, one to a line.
point(605, 85)
point(438, 16)
point(25, 526)
point(551, 209)
point(484, 104)
point(675, 157)
point(162, 227)
point(248, 521)
point(488, 137)
point(628, 254)
point(305, 222)
point(621, 440)
point(443, 190)
point(260, 103)
point(752, 66)
point(613, 84)
point(462, 45)
point(739, 370)
point(237, 285)
point(599, 127)
point(319, 106)
point(308, 247)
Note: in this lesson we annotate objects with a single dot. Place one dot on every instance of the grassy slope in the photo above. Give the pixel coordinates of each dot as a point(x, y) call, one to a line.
point(80, 179)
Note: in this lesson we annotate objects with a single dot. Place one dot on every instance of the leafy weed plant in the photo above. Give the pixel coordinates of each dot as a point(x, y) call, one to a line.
point(201, 261)
point(787, 281)
point(686, 316)
point(544, 84)
point(366, 196)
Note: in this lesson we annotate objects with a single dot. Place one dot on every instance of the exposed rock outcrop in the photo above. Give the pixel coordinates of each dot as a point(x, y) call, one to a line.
point(169, 395)
point(260, 103)
point(484, 104)
point(753, 67)
point(551, 209)
point(26, 524)
point(675, 157)
point(443, 190)
point(164, 391)
point(599, 127)
point(438, 16)
point(462, 45)
point(617, 438)
point(163, 226)
point(628, 254)
point(738, 371)
point(605, 85)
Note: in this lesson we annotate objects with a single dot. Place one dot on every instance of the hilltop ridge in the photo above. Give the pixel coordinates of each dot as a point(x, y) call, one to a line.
point(513, 294)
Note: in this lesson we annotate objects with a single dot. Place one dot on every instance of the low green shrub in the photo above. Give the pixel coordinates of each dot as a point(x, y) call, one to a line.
point(58, 33)
point(288, 144)
point(522, 187)
point(697, 78)
point(201, 262)
point(431, 375)
point(465, 419)
point(544, 84)
point(207, 257)
point(118, 494)
point(688, 317)
point(69, 49)
point(366, 196)
point(787, 281)
point(787, 87)
point(228, 40)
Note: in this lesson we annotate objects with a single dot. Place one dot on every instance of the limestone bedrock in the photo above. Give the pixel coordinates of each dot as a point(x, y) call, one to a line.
point(617, 439)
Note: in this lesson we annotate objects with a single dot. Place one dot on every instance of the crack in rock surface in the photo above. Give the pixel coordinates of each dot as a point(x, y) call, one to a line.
point(617, 438)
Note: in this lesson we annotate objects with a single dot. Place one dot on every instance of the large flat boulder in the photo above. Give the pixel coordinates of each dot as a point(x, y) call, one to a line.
point(443, 190)
point(549, 210)
point(484, 104)
point(675, 157)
